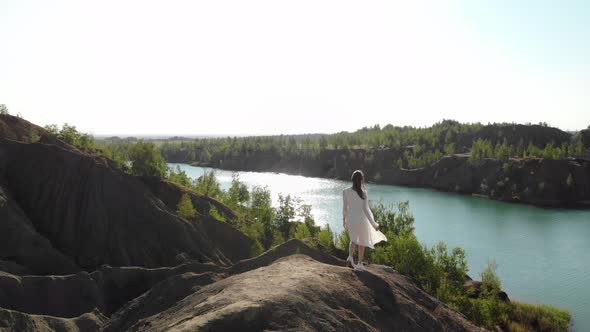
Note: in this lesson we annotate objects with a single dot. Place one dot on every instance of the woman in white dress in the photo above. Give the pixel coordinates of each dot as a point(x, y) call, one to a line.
point(358, 219)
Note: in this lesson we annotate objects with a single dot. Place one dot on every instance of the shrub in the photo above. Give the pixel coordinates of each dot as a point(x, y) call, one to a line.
point(342, 241)
point(256, 249)
point(302, 231)
point(178, 176)
point(570, 180)
point(185, 207)
point(213, 212)
point(35, 137)
point(326, 237)
point(4, 109)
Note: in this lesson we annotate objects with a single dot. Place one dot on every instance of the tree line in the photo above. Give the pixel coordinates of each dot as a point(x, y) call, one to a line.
point(412, 147)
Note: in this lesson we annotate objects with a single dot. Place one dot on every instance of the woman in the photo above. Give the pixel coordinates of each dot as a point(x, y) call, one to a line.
point(358, 219)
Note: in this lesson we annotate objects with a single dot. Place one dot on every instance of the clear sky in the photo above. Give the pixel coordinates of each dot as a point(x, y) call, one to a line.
point(269, 67)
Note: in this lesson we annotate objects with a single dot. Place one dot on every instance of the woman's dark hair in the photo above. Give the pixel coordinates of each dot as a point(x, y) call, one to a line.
point(358, 183)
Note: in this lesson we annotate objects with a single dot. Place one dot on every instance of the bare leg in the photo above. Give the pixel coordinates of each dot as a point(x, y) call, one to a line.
point(350, 259)
point(361, 254)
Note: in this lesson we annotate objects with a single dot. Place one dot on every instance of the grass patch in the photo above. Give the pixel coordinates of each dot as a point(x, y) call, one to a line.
point(543, 318)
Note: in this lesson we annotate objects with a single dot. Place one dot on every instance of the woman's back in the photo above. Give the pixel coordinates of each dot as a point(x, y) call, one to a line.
point(355, 206)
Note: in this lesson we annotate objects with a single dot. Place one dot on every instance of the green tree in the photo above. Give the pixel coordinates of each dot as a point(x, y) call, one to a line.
point(284, 213)
point(261, 212)
point(69, 134)
point(146, 160)
point(277, 238)
point(304, 211)
point(302, 231)
point(450, 148)
point(86, 141)
point(208, 185)
point(4, 109)
point(570, 180)
point(238, 192)
point(185, 208)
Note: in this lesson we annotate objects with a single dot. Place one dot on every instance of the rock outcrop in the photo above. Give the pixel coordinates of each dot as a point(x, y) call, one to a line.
point(294, 293)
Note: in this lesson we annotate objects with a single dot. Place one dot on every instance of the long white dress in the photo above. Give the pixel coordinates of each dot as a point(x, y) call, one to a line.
point(359, 220)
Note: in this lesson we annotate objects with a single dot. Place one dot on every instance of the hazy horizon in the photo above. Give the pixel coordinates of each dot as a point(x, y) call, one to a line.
point(269, 68)
point(223, 135)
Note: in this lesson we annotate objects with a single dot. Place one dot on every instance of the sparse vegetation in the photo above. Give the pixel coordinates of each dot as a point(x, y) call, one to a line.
point(69, 134)
point(542, 318)
point(4, 109)
point(570, 180)
point(185, 208)
point(35, 137)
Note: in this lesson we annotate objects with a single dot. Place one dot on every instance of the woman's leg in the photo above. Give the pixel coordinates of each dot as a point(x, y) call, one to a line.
point(351, 249)
point(361, 254)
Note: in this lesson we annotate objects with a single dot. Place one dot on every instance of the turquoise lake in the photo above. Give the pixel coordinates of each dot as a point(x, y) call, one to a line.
point(543, 255)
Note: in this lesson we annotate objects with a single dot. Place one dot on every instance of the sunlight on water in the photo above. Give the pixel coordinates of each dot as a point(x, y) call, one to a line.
point(542, 254)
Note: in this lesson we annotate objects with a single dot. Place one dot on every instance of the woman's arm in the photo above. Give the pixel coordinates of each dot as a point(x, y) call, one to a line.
point(344, 209)
point(368, 213)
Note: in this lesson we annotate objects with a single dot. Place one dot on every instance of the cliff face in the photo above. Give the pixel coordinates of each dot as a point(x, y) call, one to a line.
point(533, 181)
point(95, 214)
point(22, 249)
